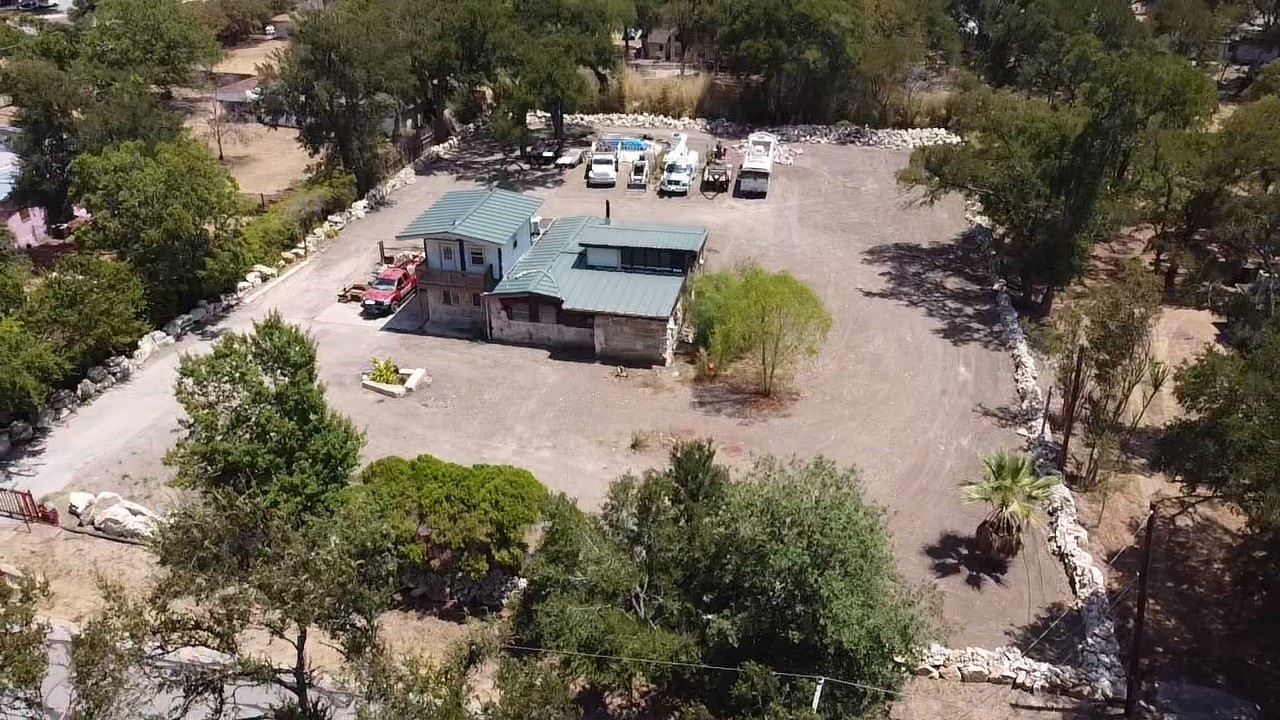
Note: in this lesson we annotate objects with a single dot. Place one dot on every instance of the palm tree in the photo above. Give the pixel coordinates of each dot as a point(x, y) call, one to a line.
point(1010, 485)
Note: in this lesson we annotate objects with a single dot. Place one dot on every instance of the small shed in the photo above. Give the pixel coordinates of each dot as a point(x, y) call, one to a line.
point(281, 26)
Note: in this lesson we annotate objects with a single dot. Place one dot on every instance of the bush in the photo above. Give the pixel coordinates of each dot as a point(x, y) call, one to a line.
point(455, 518)
point(27, 366)
point(288, 221)
point(384, 371)
point(87, 309)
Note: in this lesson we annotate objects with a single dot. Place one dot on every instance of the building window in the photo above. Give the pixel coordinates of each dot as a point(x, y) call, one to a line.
point(475, 299)
point(650, 258)
point(447, 253)
point(519, 312)
point(450, 297)
point(476, 257)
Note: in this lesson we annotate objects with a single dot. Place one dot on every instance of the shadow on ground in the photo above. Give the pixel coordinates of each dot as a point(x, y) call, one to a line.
point(741, 400)
point(953, 555)
point(946, 281)
point(487, 162)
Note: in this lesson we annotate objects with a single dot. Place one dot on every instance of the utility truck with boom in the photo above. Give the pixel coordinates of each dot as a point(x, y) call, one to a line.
point(679, 169)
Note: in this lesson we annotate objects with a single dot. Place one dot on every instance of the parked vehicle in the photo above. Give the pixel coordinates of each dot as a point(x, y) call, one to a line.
point(717, 175)
point(679, 173)
point(638, 179)
point(389, 290)
point(603, 169)
point(757, 166)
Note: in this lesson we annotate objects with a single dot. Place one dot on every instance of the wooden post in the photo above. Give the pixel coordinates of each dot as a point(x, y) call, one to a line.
point(1140, 620)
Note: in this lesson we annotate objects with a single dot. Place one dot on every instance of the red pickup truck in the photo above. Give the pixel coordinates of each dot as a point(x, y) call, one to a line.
point(389, 290)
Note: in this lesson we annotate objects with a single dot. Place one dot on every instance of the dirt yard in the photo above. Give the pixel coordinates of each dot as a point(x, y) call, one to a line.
point(247, 58)
point(912, 386)
point(264, 161)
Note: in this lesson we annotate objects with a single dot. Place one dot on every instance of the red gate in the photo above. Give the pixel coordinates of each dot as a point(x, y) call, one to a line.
point(20, 504)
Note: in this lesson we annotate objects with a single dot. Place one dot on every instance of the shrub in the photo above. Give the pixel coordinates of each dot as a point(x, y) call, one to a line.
point(87, 308)
point(384, 371)
point(455, 518)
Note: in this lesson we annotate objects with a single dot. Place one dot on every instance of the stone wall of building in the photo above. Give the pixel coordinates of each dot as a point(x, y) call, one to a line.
point(542, 334)
point(631, 339)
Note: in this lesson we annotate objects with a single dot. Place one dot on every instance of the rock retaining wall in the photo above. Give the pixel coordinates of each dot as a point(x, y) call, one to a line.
point(843, 134)
point(1099, 674)
point(117, 369)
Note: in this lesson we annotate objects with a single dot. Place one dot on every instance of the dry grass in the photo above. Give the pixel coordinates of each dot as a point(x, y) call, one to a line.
point(680, 96)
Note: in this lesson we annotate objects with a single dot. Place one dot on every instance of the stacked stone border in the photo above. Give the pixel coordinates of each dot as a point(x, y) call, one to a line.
point(1099, 674)
point(117, 369)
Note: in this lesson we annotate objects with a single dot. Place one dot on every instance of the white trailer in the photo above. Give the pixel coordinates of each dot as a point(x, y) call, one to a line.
point(757, 164)
point(602, 169)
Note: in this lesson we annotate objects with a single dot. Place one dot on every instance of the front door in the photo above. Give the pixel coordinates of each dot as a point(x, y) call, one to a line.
point(448, 257)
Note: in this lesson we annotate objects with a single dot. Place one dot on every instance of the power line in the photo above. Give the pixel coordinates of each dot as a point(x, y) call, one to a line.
point(702, 666)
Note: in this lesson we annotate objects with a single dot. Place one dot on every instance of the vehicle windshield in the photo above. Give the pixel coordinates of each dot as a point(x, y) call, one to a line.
point(602, 161)
point(677, 168)
point(383, 284)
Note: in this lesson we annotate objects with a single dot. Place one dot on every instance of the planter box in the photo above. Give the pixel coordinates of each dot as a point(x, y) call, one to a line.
point(413, 377)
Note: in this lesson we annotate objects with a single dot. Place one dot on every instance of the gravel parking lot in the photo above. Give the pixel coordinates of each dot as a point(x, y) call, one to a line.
point(912, 385)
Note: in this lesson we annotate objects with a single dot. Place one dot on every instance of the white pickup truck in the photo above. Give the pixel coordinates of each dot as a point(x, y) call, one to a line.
point(603, 169)
point(679, 174)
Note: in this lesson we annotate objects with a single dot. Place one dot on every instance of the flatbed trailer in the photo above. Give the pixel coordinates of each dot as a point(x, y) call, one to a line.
point(717, 177)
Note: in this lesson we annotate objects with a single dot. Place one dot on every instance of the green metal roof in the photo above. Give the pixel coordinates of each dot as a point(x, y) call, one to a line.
point(553, 268)
point(644, 235)
point(487, 215)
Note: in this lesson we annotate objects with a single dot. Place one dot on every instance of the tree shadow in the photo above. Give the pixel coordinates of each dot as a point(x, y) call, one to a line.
point(945, 280)
point(953, 554)
point(488, 162)
point(1212, 604)
point(741, 400)
point(1004, 416)
point(1054, 636)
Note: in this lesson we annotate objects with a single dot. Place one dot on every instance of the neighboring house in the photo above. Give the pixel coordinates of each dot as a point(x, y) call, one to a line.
point(236, 97)
point(661, 44)
point(472, 240)
point(597, 286)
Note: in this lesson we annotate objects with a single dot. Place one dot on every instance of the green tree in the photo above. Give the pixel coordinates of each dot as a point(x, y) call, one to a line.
point(1172, 197)
point(233, 21)
point(159, 42)
point(684, 565)
point(232, 566)
point(15, 272)
point(456, 518)
point(167, 209)
point(108, 658)
point(558, 39)
point(805, 52)
point(770, 318)
point(1010, 485)
point(340, 80)
point(87, 309)
point(258, 423)
point(24, 658)
point(453, 47)
point(27, 366)
point(1267, 82)
point(47, 99)
point(1245, 168)
point(1223, 445)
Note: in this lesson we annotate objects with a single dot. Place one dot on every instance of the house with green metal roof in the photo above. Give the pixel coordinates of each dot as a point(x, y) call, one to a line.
point(596, 285)
point(472, 239)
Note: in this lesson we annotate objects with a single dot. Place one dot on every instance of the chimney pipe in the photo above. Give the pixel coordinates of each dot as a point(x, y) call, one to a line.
point(607, 213)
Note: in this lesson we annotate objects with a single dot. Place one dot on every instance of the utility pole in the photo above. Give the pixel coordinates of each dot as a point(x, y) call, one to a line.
point(817, 693)
point(1140, 620)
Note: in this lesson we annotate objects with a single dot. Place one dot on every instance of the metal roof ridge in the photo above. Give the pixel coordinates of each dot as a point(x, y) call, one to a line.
point(484, 198)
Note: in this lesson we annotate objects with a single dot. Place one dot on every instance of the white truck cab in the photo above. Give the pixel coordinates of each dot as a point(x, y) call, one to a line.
point(603, 169)
point(679, 174)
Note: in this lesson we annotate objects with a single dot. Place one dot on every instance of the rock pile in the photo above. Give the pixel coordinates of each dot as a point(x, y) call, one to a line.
point(839, 134)
point(110, 514)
